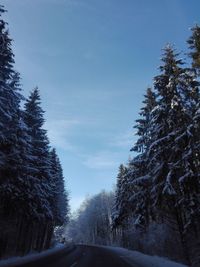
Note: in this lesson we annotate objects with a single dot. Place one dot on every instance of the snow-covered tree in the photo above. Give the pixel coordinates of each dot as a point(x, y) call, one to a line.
point(118, 208)
point(143, 124)
point(13, 144)
point(27, 181)
point(172, 134)
point(162, 180)
point(194, 45)
point(59, 201)
point(42, 188)
point(167, 120)
point(133, 182)
point(92, 223)
point(40, 155)
point(9, 108)
point(138, 166)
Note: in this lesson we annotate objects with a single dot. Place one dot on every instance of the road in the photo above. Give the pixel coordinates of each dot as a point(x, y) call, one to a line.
point(83, 256)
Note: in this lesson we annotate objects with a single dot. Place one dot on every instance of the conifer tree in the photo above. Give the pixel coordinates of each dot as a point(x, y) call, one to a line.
point(119, 195)
point(194, 45)
point(59, 200)
point(138, 167)
point(13, 145)
point(167, 119)
point(40, 157)
point(143, 124)
point(27, 188)
point(133, 189)
point(176, 89)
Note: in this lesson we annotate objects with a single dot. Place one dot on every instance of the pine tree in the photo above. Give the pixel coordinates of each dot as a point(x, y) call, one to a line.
point(59, 201)
point(194, 45)
point(119, 195)
point(143, 125)
point(41, 170)
point(40, 160)
point(138, 167)
point(176, 90)
point(14, 168)
point(9, 98)
point(27, 187)
point(167, 119)
point(189, 141)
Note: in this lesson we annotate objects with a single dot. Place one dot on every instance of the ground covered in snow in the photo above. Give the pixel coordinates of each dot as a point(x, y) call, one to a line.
point(143, 260)
point(33, 256)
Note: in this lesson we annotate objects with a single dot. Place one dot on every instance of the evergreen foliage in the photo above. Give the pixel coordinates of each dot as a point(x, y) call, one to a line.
point(32, 197)
point(194, 45)
point(163, 177)
point(59, 203)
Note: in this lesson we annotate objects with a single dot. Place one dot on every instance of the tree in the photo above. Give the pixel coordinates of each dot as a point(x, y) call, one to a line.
point(41, 166)
point(139, 172)
point(59, 201)
point(177, 93)
point(92, 223)
point(133, 183)
point(194, 45)
point(120, 209)
point(13, 138)
point(161, 184)
point(27, 183)
point(167, 119)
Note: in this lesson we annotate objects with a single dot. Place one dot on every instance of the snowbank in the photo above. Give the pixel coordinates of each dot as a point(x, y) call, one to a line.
point(137, 258)
point(34, 256)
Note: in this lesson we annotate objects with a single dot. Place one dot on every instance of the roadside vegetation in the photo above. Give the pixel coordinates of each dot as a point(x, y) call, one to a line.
point(156, 204)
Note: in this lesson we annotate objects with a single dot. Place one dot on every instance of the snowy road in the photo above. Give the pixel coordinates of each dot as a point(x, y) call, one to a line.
point(90, 256)
point(81, 256)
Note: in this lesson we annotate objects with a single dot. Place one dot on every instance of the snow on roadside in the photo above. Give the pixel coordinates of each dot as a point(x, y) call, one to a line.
point(30, 257)
point(143, 260)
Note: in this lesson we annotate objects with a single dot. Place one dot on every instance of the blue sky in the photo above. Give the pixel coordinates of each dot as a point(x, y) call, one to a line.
point(92, 61)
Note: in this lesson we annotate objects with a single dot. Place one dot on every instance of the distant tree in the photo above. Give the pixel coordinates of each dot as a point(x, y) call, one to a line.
point(92, 223)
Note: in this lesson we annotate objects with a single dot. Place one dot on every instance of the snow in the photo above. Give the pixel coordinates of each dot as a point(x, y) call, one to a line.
point(15, 261)
point(137, 258)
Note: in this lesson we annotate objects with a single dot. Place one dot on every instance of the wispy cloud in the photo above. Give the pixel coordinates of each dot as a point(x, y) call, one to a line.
point(123, 140)
point(102, 160)
point(59, 132)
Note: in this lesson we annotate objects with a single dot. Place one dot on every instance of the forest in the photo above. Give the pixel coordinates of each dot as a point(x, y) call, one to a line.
point(33, 199)
point(155, 207)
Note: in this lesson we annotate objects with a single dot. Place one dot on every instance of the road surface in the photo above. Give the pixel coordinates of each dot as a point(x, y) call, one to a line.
point(83, 256)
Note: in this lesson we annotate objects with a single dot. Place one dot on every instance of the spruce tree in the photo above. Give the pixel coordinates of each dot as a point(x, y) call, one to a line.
point(143, 124)
point(40, 156)
point(176, 90)
point(14, 168)
point(194, 45)
point(138, 167)
point(167, 119)
point(118, 195)
point(59, 200)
